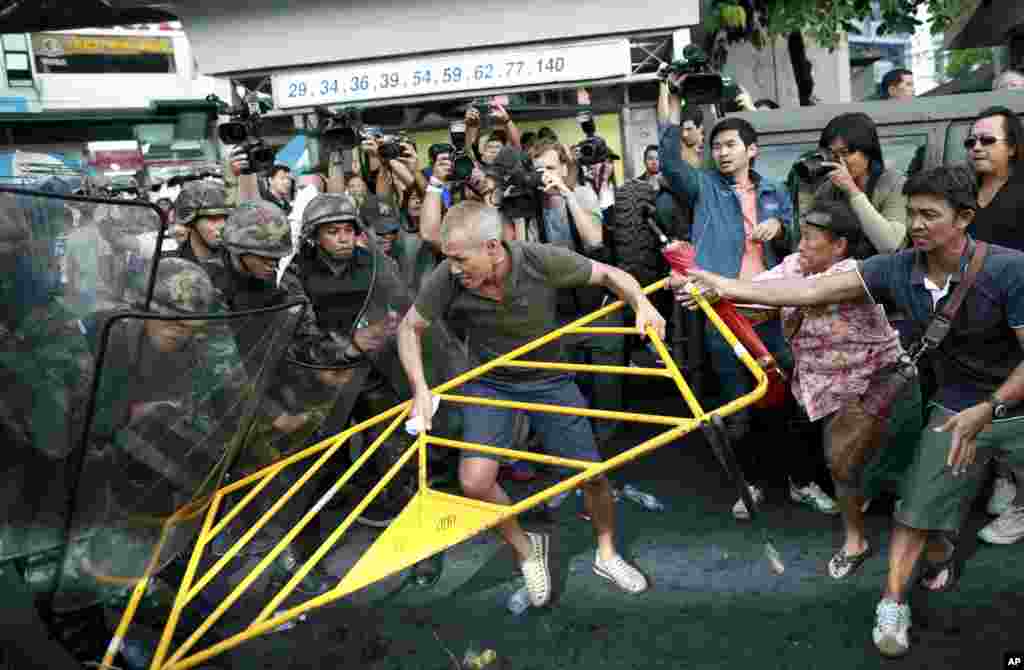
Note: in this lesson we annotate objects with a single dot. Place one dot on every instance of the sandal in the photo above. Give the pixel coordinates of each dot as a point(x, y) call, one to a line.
point(842, 565)
point(951, 565)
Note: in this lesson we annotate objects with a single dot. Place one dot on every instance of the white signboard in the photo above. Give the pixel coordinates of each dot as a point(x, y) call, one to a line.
point(470, 71)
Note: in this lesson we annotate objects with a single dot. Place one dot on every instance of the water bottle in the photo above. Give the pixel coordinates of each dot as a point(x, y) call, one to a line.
point(288, 625)
point(519, 601)
point(645, 499)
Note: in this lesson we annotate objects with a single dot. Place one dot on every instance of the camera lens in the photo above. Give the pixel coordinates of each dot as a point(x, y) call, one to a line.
point(232, 132)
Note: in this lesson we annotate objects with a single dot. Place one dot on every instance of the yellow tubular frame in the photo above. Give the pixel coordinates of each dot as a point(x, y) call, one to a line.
point(492, 514)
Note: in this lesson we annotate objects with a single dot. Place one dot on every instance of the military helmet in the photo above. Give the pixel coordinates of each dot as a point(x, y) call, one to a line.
point(258, 228)
point(329, 208)
point(182, 287)
point(200, 198)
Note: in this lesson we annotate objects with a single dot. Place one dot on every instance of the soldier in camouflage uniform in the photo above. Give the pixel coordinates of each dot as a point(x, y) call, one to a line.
point(203, 209)
point(45, 374)
point(358, 297)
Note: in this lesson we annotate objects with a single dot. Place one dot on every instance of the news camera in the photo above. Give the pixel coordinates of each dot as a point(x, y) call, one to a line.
point(243, 131)
point(702, 85)
point(518, 184)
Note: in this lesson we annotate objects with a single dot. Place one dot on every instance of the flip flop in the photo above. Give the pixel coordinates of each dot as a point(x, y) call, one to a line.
point(842, 565)
point(932, 570)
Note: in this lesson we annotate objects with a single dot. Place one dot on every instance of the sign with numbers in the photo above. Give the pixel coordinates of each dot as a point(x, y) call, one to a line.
point(470, 71)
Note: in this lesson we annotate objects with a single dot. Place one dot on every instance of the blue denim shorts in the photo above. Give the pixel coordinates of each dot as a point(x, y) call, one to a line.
point(563, 435)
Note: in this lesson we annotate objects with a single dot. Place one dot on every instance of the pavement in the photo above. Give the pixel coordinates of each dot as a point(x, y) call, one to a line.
point(713, 601)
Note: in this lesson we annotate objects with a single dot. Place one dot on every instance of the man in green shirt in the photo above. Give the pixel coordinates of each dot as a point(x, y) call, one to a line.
point(503, 295)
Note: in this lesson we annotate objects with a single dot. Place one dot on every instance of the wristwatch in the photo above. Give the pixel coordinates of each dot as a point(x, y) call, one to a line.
point(1000, 408)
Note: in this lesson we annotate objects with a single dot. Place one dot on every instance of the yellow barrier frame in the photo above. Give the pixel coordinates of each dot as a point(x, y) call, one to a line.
point(391, 545)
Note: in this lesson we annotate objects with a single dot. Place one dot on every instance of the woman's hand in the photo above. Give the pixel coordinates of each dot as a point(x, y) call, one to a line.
point(842, 179)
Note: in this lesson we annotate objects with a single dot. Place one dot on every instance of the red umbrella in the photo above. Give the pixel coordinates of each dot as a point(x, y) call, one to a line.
point(681, 256)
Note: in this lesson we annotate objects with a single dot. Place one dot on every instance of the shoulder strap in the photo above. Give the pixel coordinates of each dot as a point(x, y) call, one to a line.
point(942, 320)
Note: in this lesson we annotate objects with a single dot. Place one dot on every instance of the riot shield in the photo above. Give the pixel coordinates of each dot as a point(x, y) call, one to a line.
point(175, 401)
point(58, 258)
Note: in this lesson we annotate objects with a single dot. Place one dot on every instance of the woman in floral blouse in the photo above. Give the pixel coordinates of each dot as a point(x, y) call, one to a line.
point(836, 348)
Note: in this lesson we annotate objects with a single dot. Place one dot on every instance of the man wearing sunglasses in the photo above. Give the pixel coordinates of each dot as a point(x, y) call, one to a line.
point(995, 149)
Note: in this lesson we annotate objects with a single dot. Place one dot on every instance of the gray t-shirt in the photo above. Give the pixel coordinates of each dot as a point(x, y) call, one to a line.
point(526, 312)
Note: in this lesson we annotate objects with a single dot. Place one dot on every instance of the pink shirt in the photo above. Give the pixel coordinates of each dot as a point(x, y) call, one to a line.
point(838, 347)
point(753, 252)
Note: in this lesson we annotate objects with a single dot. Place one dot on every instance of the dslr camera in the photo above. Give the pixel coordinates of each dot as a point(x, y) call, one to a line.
point(519, 183)
point(593, 150)
point(243, 130)
point(702, 86)
point(812, 169)
point(462, 164)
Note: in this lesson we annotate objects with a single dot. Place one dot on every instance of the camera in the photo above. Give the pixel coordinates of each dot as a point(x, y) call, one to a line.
point(702, 86)
point(389, 148)
point(462, 164)
point(243, 130)
point(593, 150)
point(341, 132)
point(811, 169)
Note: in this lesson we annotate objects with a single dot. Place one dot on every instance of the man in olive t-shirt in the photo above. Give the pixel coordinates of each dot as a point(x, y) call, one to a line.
point(503, 295)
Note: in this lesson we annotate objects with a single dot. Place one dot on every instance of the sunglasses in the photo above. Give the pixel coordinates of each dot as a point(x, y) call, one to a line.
point(984, 140)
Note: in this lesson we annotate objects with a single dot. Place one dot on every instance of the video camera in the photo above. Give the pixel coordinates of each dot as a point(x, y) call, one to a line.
point(342, 131)
point(519, 183)
point(243, 130)
point(702, 86)
point(593, 150)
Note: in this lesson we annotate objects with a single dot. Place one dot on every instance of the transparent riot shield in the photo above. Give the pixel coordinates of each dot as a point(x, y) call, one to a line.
point(60, 257)
point(175, 400)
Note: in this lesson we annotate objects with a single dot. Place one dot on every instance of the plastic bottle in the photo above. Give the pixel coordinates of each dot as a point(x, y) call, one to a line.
point(519, 601)
point(645, 499)
point(288, 625)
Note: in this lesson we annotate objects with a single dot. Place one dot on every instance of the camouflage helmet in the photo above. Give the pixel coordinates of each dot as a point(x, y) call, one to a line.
point(329, 208)
point(198, 199)
point(182, 287)
point(258, 228)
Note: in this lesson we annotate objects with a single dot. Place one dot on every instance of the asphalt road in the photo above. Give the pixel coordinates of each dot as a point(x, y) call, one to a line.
point(714, 602)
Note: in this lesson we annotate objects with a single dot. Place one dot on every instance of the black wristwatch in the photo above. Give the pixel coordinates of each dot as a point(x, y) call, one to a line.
point(1000, 408)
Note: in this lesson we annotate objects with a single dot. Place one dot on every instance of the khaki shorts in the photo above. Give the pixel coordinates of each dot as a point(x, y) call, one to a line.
point(933, 499)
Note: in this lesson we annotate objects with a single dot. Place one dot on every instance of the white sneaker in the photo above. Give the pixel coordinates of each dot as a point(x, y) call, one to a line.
point(812, 496)
point(892, 623)
point(740, 511)
point(619, 572)
point(1003, 493)
point(1007, 528)
point(535, 570)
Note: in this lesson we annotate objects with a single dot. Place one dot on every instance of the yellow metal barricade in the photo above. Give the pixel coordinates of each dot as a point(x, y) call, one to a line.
point(433, 520)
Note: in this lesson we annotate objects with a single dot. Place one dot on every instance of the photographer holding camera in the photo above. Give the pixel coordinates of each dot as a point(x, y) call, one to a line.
point(849, 166)
point(505, 132)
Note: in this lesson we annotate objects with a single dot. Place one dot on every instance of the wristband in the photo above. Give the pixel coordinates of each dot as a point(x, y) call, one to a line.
point(435, 189)
point(434, 181)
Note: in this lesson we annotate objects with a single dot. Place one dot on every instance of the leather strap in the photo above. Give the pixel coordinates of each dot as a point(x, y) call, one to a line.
point(942, 321)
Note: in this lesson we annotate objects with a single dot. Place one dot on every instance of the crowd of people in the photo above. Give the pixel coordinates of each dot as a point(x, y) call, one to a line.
point(414, 272)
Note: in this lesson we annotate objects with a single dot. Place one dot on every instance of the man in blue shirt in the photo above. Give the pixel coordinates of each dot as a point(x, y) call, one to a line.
point(738, 219)
point(976, 414)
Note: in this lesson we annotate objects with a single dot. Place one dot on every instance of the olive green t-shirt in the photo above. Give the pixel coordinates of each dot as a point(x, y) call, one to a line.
point(527, 311)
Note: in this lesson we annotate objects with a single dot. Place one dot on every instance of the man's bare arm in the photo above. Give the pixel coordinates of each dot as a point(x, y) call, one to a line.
point(410, 347)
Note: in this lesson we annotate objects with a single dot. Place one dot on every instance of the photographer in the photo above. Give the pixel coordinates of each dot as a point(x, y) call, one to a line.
point(854, 171)
point(739, 219)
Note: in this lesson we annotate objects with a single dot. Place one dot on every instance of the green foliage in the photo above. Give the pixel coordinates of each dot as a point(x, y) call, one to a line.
point(963, 61)
point(825, 21)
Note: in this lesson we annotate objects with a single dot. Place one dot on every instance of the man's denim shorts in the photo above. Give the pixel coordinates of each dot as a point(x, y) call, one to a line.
point(563, 435)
